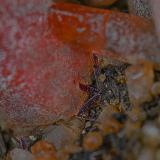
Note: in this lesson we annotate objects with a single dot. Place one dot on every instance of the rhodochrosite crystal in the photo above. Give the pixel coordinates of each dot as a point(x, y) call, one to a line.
point(109, 33)
point(39, 75)
point(46, 51)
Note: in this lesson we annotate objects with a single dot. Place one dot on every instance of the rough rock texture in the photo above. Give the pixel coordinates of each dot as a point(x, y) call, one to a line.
point(60, 135)
point(156, 14)
point(140, 8)
point(19, 154)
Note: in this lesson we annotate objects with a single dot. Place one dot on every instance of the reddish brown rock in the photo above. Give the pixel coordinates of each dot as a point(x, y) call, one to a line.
point(43, 151)
point(92, 141)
